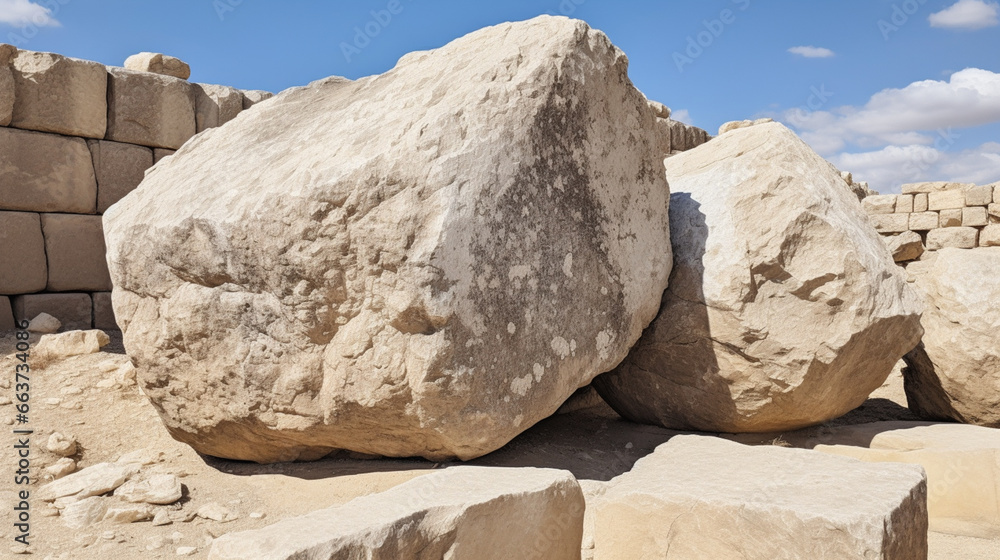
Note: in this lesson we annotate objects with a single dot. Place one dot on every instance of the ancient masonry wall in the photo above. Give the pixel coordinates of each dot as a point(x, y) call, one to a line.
point(75, 137)
point(942, 214)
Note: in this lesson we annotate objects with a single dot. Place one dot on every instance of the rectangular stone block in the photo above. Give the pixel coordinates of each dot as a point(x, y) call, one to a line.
point(946, 200)
point(951, 218)
point(924, 221)
point(149, 109)
point(701, 497)
point(104, 314)
point(54, 93)
point(974, 216)
point(216, 105)
point(6, 315)
point(994, 212)
point(42, 172)
point(938, 186)
point(920, 202)
point(958, 237)
point(72, 310)
point(904, 204)
point(76, 254)
point(6, 94)
point(119, 168)
point(460, 513)
point(989, 236)
point(978, 195)
point(252, 97)
point(22, 253)
point(890, 223)
point(160, 153)
point(879, 204)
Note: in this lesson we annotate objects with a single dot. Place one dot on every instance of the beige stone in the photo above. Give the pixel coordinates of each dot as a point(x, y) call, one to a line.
point(74, 246)
point(951, 218)
point(684, 137)
point(962, 465)
point(974, 216)
point(158, 489)
point(955, 373)
point(252, 97)
point(158, 64)
point(44, 324)
point(977, 195)
point(994, 211)
point(664, 136)
point(6, 315)
point(699, 497)
point(798, 326)
point(659, 109)
point(904, 204)
point(880, 204)
point(72, 310)
point(924, 221)
point(149, 109)
point(920, 202)
point(989, 236)
point(461, 513)
point(72, 343)
point(160, 153)
point(890, 223)
point(906, 246)
point(61, 468)
point(958, 237)
point(996, 192)
point(61, 445)
point(59, 94)
point(6, 95)
point(22, 253)
point(939, 186)
point(128, 513)
point(946, 200)
point(83, 513)
point(119, 168)
point(91, 481)
point(216, 105)
point(104, 314)
point(433, 292)
point(46, 173)
point(733, 125)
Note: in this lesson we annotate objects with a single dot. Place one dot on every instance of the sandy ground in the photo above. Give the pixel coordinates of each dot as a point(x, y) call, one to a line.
point(85, 397)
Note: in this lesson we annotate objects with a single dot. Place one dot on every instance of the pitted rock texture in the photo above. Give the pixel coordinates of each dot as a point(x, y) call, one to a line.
point(785, 308)
point(425, 262)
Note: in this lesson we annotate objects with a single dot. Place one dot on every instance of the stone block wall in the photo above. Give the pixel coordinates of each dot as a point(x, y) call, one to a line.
point(75, 137)
point(940, 215)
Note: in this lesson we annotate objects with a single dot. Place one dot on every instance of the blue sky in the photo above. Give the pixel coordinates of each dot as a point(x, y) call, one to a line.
point(895, 91)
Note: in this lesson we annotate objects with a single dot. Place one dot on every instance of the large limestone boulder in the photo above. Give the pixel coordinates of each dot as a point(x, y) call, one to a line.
point(425, 262)
point(700, 497)
point(784, 308)
point(462, 513)
point(955, 373)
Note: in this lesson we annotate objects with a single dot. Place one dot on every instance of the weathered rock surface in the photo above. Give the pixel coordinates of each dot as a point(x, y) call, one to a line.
point(456, 514)
point(149, 109)
point(158, 64)
point(72, 310)
point(91, 481)
point(702, 497)
point(21, 241)
point(955, 373)
point(906, 246)
point(962, 464)
point(59, 94)
point(216, 105)
point(734, 125)
point(159, 489)
point(784, 309)
point(72, 343)
point(46, 173)
point(252, 97)
point(434, 291)
point(44, 324)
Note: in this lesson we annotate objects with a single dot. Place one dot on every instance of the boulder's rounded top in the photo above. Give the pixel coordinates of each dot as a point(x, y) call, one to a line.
point(158, 63)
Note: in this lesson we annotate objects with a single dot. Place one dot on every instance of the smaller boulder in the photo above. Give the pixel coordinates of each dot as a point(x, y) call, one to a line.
point(63, 446)
point(158, 64)
point(44, 324)
point(733, 125)
point(906, 246)
point(159, 489)
point(72, 343)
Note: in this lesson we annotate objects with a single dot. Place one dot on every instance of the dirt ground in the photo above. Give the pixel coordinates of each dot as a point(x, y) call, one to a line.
point(92, 399)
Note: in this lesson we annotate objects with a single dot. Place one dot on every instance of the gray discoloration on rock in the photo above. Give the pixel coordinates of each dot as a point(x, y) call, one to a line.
point(394, 281)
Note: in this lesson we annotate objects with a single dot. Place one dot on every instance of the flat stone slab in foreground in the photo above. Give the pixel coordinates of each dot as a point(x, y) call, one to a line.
point(462, 513)
point(700, 497)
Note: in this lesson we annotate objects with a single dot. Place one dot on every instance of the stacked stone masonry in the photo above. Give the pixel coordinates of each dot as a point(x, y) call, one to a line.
point(75, 137)
point(942, 214)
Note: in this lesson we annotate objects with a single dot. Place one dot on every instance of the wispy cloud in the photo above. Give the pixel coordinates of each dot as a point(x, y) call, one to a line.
point(811, 52)
point(892, 166)
point(20, 13)
point(967, 14)
point(681, 115)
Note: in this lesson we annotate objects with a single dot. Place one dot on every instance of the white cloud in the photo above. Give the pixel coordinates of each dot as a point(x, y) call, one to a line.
point(892, 166)
point(811, 52)
point(20, 13)
point(681, 115)
point(967, 14)
point(903, 116)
